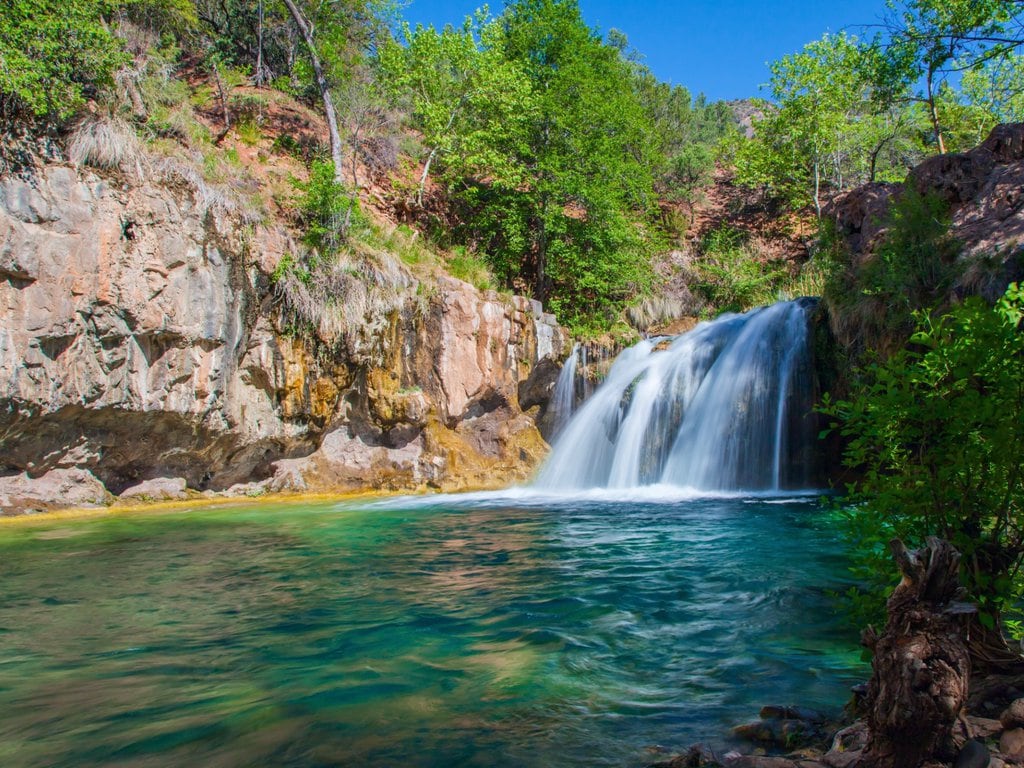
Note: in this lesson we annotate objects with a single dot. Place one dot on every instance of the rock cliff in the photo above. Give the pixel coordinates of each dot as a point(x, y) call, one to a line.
point(984, 191)
point(141, 338)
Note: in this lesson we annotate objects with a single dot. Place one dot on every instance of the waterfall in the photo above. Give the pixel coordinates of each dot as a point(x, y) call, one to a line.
point(724, 407)
point(563, 400)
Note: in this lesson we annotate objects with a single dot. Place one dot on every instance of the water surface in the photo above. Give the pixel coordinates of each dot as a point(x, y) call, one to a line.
point(454, 631)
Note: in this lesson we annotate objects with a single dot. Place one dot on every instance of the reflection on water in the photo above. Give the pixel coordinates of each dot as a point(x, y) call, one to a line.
point(477, 631)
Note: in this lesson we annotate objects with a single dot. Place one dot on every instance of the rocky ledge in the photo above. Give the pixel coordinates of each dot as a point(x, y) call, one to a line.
point(984, 191)
point(143, 353)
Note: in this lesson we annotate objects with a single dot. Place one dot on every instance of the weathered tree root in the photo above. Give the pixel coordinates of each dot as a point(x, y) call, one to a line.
point(921, 668)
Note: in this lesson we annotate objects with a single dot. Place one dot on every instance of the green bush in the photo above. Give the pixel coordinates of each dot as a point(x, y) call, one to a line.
point(248, 131)
point(326, 210)
point(937, 432)
point(471, 268)
point(731, 277)
point(53, 54)
point(914, 266)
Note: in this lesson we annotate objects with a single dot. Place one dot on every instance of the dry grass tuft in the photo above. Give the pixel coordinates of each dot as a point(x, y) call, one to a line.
point(221, 199)
point(658, 310)
point(107, 143)
point(350, 301)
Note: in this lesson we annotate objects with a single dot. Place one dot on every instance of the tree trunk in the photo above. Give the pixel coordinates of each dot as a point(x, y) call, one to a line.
point(933, 113)
point(261, 76)
point(325, 91)
point(817, 190)
point(223, 97)
point(424, 176)
point(921, 666)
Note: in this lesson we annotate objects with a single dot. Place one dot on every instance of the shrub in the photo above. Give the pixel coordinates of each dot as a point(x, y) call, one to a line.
point(938, 433)
point(248, 131)
point(471, 268)
point(872, 306)
point(731, 276)
point(326, 210)
point(54, 53)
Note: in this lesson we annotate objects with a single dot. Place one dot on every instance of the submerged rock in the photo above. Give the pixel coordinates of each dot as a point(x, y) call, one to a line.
point(697, 756)
point(777, 732)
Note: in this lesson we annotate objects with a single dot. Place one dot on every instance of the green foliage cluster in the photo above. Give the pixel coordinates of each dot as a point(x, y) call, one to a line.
point(846, 110)
point(53, 54)
point(829, 129)
point(547, 140)
point(937, 433)
point(731, 277)
point(326, 209)
point(687, 132)
point(912, 267)
point(471, 268)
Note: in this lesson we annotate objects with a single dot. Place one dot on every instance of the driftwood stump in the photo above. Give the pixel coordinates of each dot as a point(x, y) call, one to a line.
point(921, 667)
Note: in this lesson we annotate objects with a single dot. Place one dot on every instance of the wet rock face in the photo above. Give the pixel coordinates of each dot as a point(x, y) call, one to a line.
point(438, 404)
point(138, 339)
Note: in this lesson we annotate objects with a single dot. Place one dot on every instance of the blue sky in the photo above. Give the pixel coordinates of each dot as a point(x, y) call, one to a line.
point(721, 48)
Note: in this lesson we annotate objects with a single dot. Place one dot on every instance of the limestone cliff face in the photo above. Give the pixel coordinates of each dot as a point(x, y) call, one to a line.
point(139, 339)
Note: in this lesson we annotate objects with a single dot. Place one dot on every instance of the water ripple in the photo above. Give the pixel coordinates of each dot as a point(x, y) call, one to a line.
point(478, 630)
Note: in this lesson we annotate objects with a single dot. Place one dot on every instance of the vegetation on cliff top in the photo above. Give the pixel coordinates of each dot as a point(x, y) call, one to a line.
point(525, 142)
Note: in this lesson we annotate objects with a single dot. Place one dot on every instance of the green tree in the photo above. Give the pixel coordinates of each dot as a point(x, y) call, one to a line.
point(832, 127)
point(929, 42)
point(685, 134)
point(989, 94)
point(470, 103)
point(997, 88)
point(54, 54)
point(589, 158)
point(937, 432)
point(818, 136)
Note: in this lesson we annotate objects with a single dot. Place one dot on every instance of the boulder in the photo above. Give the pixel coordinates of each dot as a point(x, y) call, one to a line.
point(983, 727)
point(954, 178)
point(1013, 715)
point(973, 754)
point(66, 487)
point(777, 732)
point(157, 489)
point(1006, 142)
point(860, 214)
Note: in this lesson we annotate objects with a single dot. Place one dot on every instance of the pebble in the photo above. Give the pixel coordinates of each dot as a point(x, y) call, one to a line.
point(1013, 715)
point(1011, 743)
point(974, 754)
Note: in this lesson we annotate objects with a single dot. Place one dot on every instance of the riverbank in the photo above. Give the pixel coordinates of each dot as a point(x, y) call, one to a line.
point(196, 502)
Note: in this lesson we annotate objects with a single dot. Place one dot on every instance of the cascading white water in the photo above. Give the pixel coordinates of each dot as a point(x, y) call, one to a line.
point(563, 399)
point(727, 406)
